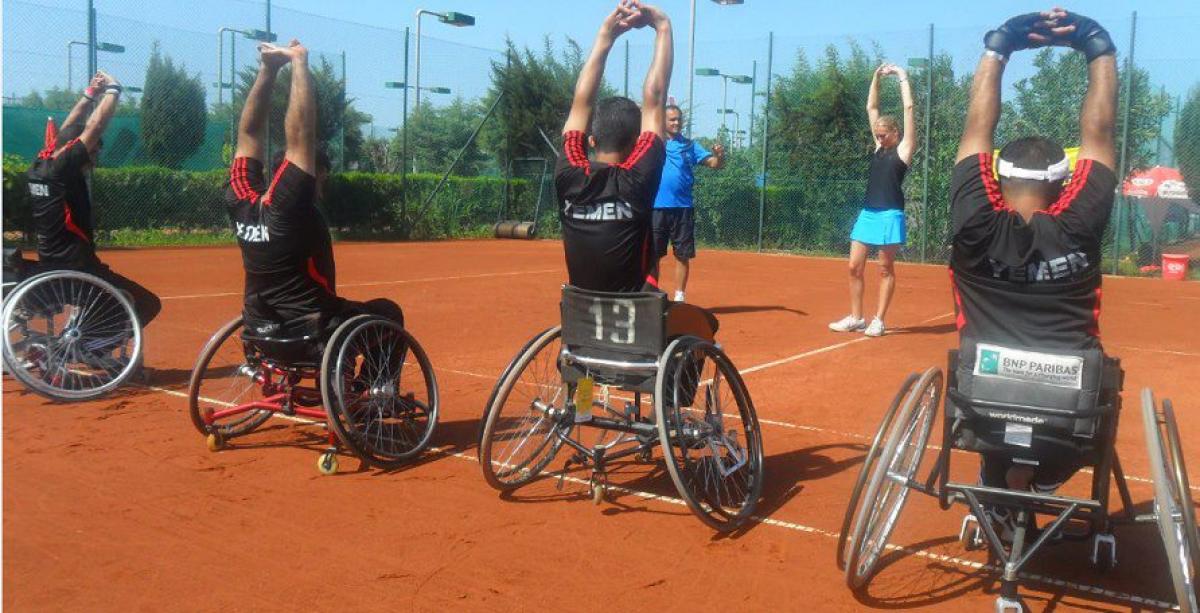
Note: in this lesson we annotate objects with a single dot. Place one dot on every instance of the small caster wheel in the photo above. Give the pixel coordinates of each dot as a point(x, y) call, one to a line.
point(970, 535)
point(597, 489)
point(327, 464)
point(216, 441)
point(646, 454)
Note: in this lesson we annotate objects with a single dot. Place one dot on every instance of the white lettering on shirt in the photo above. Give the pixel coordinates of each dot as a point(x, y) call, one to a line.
point(1061, 267)
point(253, 233)
point(39, 189)
point(612, 210)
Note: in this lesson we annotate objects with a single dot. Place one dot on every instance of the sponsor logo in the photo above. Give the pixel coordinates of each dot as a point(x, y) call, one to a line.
point(613, 210)
point(1062, 267)
point(253, 233)
point(1028, 366)
point(1173, 189)
point(1016, 417)
point(39, 190)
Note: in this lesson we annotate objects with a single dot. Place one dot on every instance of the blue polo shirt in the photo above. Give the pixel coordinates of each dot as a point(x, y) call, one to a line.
point(675, 188)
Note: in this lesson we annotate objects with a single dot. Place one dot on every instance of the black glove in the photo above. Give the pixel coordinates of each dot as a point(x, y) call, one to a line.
point(1089, 37)
point(1014, 34)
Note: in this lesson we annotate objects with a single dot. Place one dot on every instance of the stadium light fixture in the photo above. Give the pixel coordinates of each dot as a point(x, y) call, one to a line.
point(452, 18)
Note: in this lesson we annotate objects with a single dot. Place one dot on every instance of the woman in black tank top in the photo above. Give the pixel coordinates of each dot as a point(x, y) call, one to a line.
point(881, 221)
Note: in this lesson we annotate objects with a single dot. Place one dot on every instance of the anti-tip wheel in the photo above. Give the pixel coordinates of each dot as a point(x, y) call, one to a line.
point(216, 441)
point(327, 464)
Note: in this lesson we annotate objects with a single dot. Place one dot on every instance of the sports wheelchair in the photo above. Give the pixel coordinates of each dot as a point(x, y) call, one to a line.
point(594, 371)
point(1023, 406)
point(69, 335)
point(353, 381)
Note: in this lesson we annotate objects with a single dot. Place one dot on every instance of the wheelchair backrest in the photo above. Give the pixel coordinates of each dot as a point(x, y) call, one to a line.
point(1061, 388)
point(614, 326)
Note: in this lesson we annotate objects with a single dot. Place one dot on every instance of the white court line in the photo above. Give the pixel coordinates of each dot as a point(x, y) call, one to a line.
point(1039, 578)
point(374, 283)
point(1149, 350)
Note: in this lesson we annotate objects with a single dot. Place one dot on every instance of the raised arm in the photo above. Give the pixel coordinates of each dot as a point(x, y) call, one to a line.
point(873, 97)
point(97, 122)
point(658, 77)
point(983, 113)
point(79, 113)
point(1097, 118)
point(908, 144)
point(588, 84)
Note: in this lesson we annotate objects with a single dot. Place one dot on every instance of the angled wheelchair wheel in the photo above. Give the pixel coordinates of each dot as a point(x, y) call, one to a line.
point(379, 391)
point(522, 422)
point(888, 486)
point(70, 336)
point(224, 378)
point(1173, 505)
point(870, 461)
point(709, 433)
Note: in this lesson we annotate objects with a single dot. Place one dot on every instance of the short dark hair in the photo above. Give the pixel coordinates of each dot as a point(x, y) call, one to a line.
point(615, 124)
point(674, 107)
point(322, 159)
point(1035, 153)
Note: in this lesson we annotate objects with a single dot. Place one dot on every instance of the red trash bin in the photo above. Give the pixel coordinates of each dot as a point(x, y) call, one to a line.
point(1174, 266)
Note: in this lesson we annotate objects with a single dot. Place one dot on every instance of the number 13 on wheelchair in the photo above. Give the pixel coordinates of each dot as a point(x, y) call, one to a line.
point(1020, 406)
point(612, 355)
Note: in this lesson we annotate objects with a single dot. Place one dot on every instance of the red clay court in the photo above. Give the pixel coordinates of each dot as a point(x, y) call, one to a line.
point(117, 504)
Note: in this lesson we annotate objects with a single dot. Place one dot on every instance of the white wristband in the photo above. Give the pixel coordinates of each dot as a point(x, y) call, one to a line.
point(998, 56)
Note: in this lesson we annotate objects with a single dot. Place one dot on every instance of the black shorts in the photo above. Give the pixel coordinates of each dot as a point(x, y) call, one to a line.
point(1048, 476)
point(678, 227)
point(146, 304)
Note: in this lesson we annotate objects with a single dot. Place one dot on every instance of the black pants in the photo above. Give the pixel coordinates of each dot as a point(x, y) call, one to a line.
point(380, 306)
point(145, 302)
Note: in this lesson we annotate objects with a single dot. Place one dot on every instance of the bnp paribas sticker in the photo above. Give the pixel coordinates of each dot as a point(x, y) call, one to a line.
point(1029, 366)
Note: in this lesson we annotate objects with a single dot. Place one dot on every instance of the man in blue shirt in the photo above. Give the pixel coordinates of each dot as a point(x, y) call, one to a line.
point(673, 217)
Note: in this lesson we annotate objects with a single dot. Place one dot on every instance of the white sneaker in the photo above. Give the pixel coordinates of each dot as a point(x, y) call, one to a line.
point(848, 323)
point(678, 296)
point(875, 329)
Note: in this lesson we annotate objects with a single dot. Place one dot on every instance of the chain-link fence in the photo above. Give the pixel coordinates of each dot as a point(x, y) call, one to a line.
point(479, 147)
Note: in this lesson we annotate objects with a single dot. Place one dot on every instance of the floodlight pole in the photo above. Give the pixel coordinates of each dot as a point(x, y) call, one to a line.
point(691, 69)
point(70, 69)
point(91, 17)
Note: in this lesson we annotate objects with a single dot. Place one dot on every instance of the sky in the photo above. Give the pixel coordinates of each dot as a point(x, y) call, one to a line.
point(729, 38)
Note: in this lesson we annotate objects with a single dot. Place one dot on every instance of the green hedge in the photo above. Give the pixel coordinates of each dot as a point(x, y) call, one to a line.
point(355, 203)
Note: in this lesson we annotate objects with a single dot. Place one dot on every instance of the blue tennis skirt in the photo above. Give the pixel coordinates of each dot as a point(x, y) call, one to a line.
point(879, 227)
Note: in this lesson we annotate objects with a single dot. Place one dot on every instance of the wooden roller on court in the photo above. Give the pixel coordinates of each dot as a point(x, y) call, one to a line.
point(515, 229)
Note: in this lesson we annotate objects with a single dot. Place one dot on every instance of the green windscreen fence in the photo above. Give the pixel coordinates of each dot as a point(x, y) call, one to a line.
point(25, 131)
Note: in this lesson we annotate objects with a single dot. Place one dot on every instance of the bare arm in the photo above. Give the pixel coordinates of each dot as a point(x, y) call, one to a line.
point(590, 76)
point(908, 144)
point(873, 98)
point(80, 111)
point(658, 77)
point(983, 111)
point(716, 161)
point(258, 103)
point(1097, 119)
point(98, 121)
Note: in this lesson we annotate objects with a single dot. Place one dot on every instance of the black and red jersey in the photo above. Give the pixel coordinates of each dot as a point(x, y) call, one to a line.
point(1036, 283)
point(287, 252)
point(605, 210)
point(62, 207)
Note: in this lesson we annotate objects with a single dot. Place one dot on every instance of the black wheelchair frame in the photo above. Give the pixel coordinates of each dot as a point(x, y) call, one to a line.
point(619, 342)
point(858, 555)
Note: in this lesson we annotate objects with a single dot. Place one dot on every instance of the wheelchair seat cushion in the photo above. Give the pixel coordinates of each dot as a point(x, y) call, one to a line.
point(293, 342)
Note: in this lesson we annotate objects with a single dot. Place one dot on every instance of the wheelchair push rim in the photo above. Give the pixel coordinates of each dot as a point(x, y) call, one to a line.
point(888, 488)
point(870, 461)
point(224, 378)
point(528, 414)
point(70, 336)
point(378, 408)
point(1173, 506)
point(709, 433)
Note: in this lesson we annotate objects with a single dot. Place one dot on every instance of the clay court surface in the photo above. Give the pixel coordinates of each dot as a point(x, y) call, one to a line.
point(118, 505)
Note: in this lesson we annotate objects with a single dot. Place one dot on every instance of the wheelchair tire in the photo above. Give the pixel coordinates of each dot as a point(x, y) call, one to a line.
point(70, 357)
point(720, 477)
point(1173, 505)
point(887, 489)
point(869, 462)
point(380, 414)
point(499, 381)
point(224, 358)
point(513, 454)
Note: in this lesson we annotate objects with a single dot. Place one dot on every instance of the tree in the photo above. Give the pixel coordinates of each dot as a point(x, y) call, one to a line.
point(436, 135)
point(335, 111)
point(538, 89)
point(173, 111)
point(1048, 104)
point(1187, 142)
point(61, 99)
